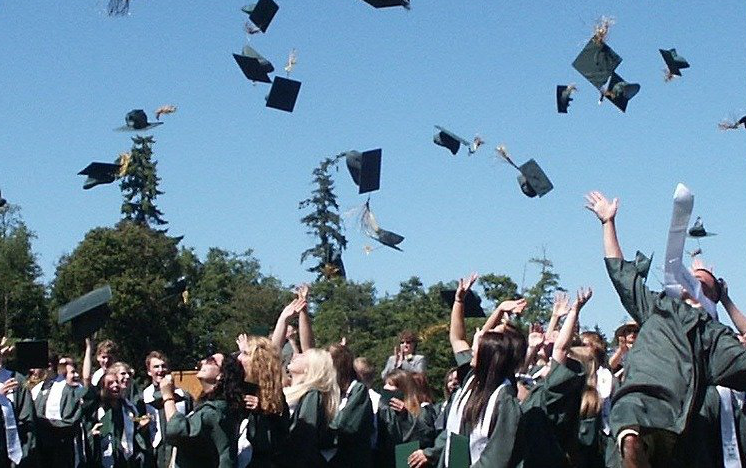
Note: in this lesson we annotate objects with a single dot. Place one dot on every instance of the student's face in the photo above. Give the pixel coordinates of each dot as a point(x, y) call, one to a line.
point(157, 369)
point(389, 385)
point(112, 385)
point(299, 364)
point(407, 346)
point(290, 332)
point(105, 360)
point(72, 377)
point(124, 377)
point(209, 371)
point(452, 382)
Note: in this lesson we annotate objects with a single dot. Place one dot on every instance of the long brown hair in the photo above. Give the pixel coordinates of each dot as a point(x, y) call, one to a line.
point(262, 366)
point(590, 403)
point(344, 364)
point(422, 388)
point(498, 356)
point(403, 381)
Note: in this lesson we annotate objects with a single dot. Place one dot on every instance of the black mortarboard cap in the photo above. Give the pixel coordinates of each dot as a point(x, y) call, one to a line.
point(32, 354)
point(87, 313)
point(388, 238)
point(261, 13)
point(137, 119)
point(596, 62)
point(365, 169)
point(698, 229)
point(620, 92)
point(283, 94)
point(99, 173)
point(388, 3)
point(253, 65)
point(448, 139)
point(533, 180)
point(563, 98)
point(674, 61)
point(472, 302)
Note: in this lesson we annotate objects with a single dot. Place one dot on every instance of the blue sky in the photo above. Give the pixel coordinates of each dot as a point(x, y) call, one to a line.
point(233, 171)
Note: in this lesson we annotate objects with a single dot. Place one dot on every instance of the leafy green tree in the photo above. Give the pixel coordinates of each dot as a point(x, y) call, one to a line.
point(138, 263)
point(540, 295)
point(23, 311)
point(140, 185)
point(498, 288)
point(230, 296)
point(323, 222)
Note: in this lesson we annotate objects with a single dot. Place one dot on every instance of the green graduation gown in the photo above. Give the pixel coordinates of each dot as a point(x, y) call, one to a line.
point(267, 434)
point(309, 433)
point(206, 438)
point(551, 414)
point(353, 429)
point(112, 430)
point(23, 410)
point(678, 352)
point(62, 442)
point(151, 402)
point(398, 427)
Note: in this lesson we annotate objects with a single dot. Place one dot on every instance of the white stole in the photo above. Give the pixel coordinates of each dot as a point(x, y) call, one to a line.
point(12, 440)
point(245, 451)
point(604, 386)
point(728, 432)
point(677, 276)
point(52, 409)
point(96, 377)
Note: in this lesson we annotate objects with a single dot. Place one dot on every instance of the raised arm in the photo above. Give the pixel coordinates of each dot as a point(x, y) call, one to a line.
point(564, 339)
point(87, 358)
point(736, 316)
point(278, 335)
point(560, 308)
point(505, 307)
point(305, 331)
point(606, 210)
point(457, 332)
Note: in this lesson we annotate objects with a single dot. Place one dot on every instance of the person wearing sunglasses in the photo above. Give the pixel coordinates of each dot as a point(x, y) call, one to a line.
point(405, 356)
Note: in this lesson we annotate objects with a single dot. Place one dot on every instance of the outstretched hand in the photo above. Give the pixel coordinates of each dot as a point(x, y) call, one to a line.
point(514, 307)
point(604, 209)
point(464, 285)
point(302, 292)
point(561, 305)
point(582, 298)
point(243, 342)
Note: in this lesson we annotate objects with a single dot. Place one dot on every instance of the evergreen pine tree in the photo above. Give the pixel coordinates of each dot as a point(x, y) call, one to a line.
point(140, 185)
point(324, 223)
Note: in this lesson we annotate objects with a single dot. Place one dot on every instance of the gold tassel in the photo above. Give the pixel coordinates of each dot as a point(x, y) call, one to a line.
point(185, 297)
point(727, 124)
point(502, 151)
point(163, 110)
point(292, 60)
point(601, 29)
point(124, 163)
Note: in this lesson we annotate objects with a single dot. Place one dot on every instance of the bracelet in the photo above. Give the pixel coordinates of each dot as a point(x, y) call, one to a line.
point(169, 399)
point(458, 300)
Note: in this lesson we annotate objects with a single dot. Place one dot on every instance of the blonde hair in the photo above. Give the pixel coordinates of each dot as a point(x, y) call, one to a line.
point(590, 403)
point(320, 375)
point(262, 367)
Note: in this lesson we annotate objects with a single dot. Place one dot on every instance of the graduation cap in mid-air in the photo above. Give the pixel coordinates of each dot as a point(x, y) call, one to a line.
point(87, 313)
point(388, 3)
point(453, 142)
point(99, 173)
point(365, 169)
point(620, 92)
point(32, 354)
point(732, 124)
point(532, 179)
point(596, 62)
point(564, 96)
point(261, 13)
point(253, 65)
point(698, 229)
point(137, 119)
point(472, 302)
point(283, 94)
point(674, 62)
point(370, 227)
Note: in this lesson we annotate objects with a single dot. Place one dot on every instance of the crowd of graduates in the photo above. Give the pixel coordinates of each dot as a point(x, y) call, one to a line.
point(670, 394)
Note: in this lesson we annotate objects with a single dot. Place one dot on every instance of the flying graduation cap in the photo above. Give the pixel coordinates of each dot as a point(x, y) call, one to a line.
point(564, 97)
point(253, 65)
point(698, 229)
point(388, 3)
point(283, 94)
point(453, 142)
point(365, 169)
point(532, 179)
point(674, 62)
point(261, 13)
point(732, 124)
point(87, 313)
point(370, 227)
point(137, 119)
point(619, 92)
point(99, 173)
point(596, 62)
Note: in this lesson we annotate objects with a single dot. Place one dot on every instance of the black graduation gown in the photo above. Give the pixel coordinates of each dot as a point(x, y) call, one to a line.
point(113, 429)
point(206, 438)
point(268, 435)
point(25, 416)
point(353, 429)
point(309, 433)
point(398, 427)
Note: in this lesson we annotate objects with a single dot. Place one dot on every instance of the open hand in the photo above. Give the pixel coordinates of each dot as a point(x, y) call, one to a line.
point(604, 209)
point(464, 285)
point(514, 307)
point(560, 307)
point(243, 342)
point(9, 386)
point(396, 405)
point(302, 292)
point(417, 459)
point(584, 295)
